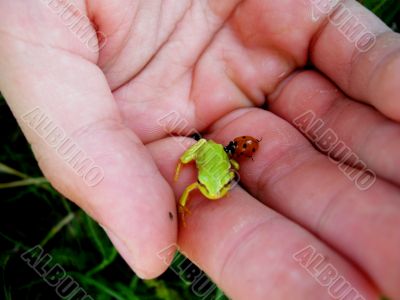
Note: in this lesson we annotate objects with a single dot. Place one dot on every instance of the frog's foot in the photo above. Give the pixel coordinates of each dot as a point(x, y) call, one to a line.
point(234, 164)
point(177, 171)
point(183, 211)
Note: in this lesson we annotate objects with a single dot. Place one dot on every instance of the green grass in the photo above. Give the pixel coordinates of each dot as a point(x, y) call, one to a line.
point(33, 213)
point(387, 10)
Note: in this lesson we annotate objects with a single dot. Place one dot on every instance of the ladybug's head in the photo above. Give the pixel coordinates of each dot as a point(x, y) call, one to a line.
point(230, 149)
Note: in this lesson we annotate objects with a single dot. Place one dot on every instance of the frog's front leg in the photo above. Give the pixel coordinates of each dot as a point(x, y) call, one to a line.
point(188, 156)
point(184, 200)
point(234, 164)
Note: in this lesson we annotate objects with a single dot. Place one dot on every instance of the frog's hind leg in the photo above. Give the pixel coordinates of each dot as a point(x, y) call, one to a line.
point(184, 200)
point(188, 156)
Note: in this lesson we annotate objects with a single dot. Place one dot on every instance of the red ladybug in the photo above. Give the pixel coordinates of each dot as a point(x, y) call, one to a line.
point(243, 146)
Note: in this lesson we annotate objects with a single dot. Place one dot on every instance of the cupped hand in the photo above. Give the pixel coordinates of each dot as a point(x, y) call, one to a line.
point(175, 67)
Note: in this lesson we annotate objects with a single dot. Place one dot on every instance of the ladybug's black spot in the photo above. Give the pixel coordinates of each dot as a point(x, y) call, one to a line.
point(245, 146)
point(243, 137)
point(254, 150)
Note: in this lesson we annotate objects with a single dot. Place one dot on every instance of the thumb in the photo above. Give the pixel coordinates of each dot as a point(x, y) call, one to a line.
point(68, 114)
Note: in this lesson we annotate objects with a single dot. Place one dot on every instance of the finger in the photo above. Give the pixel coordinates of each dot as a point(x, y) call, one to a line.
point(245, 247)
point(290, 176)
point(68, 114)
point(360, 54)
point(372, 138)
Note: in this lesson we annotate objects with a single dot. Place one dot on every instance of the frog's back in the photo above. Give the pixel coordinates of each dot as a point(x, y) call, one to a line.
point(211, 147)
point(213, 165)
point(211, 152)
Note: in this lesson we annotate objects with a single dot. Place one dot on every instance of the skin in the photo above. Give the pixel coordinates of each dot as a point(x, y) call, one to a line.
point(213, 62)
point(214, 172)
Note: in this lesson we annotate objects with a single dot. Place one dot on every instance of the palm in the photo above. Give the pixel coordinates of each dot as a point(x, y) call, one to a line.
point(209, 67)
point(205, 61)
point(215, 60)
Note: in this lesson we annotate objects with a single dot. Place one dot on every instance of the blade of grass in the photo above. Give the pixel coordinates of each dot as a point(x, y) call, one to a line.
point(134, 282)
point(108, 252)
point(106, 262)
point(392, 14)
point(94, 234)
point(17, 244)
point(60, 225)
point(23, 182)
point(8, 170)
point(99, 285)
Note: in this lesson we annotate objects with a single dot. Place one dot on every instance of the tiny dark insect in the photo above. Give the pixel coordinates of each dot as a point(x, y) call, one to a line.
point(171, 216)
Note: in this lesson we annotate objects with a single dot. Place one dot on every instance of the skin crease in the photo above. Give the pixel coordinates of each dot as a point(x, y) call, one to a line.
point(208, 61)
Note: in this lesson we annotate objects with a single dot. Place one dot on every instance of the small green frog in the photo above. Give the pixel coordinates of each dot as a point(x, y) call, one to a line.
point(215, 172)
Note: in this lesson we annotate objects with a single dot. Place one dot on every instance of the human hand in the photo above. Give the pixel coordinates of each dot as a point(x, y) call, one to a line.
point(207, 62)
